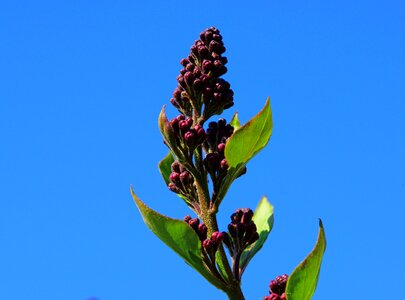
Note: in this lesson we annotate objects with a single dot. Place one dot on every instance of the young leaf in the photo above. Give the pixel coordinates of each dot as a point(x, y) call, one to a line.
point(249, 139)
point(263, 218)
point(178, 236)
point(168, 134)
point(165, 167)
point(302, 282)
point(235, 123)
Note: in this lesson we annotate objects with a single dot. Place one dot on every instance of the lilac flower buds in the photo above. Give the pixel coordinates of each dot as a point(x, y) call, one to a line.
point(182, 182)
point(199, 81)
point(199, 228)
point(277, 288)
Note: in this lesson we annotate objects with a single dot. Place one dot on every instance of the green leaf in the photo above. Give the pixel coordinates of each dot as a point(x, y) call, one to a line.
point(264, 219)
point(178, 236)
point(168, 134)
point(235, 123)
point(165, 167)
point(249, 139)
point(302, 282)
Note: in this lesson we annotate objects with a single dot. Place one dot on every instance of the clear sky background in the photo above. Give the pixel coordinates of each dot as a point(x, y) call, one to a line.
point(81, 86)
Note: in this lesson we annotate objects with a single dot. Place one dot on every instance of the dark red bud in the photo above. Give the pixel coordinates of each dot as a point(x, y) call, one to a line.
point(247, 215)
point(202, 231)
point(187, 218)
point(176, 167)
point(217, 237)
point(194, 223)
point(189, 78)
point(197, 84)
point(208, 246)
point(224, 164)
point(186, 178)
point(207, 65)
point(173, 188)
point(190, 138)
point(221, 147)
point(175, 177)
point(184, 62)
point(174, 123)
point(190, 67)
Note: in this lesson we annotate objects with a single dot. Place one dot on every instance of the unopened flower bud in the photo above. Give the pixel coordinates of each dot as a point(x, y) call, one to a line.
point(209, 246)
point(173, 187)
point(186, 178)
point(174, 177)
point(217, 237)
point(224, 164)
point(190, 138)
point(221, 147)
point(187, 218)
point(202, 231)
point(246, 216)
point(194, 223)
point(189, 78)
point(175, 167)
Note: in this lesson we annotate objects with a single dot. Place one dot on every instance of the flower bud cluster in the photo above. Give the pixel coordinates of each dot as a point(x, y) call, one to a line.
point(277, 288)
point(211, 245)
point(198, 227)
point(199, 81)
point(187, 135)
point(242, 232)
point(181, 181)
point(217, 136)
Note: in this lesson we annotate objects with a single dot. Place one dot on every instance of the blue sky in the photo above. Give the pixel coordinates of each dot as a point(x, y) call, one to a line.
point(81, 86)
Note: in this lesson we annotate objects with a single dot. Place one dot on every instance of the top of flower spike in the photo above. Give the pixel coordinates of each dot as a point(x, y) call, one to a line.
point(200, 89)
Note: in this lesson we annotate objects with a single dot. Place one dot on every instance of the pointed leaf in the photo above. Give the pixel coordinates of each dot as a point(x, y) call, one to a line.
point(264, 219)
point(235, 123)
point(178, 236)
point(168, 134)
point(165, 167)
point(249, 139)
point(302, 282)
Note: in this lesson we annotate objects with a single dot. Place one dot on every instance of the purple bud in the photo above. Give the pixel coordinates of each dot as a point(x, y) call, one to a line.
point(186, 178)
point(176, 167)
point(187, 218)
point(217, 237)
point(174, 103)
point(218, 64)
point(221, 123)
point(197, 84)
point(190, 67)
point(202, 231)
point(177, 93)
point(189, 78)
point(206, 65)
point(221, 147)
point(207, 92)
point(184, 62)
point(203, 51)
point(247, 215)
point(190, 138)
point(211, 161)
point(173, 188)
point(175, 177)
point(194, 223)
point(208, 246)
point(174, 123)
point(224, 164)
